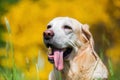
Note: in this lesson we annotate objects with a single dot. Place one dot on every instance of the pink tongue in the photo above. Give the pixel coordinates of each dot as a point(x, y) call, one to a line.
point(58, 59)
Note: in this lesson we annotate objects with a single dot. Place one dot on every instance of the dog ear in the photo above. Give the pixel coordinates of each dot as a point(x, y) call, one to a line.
point(87, 35)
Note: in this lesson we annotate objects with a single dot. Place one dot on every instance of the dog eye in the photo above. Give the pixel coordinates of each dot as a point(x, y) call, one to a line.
point(67, 27)
point(49, 26)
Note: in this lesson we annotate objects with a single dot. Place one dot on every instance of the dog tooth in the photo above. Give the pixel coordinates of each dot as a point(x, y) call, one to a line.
point(49, 50)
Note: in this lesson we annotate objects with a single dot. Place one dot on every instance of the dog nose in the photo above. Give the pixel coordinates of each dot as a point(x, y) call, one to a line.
point(48, 34)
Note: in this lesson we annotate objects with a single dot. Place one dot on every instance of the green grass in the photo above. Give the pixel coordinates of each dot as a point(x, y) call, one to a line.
point(13, 73)
point(10, 73)
point(111, 71)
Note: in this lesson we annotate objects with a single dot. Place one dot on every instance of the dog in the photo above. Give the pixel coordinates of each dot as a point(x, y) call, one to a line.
point(71, 51)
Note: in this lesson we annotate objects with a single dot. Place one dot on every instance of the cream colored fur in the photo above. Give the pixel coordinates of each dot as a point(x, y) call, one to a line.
point(83, 63)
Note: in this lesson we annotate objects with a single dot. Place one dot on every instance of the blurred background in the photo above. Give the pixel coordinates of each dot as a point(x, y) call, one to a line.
point(28, 20)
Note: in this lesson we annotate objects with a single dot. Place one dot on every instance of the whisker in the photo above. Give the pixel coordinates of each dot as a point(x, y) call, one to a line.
point(78, 43)
point(70, 42)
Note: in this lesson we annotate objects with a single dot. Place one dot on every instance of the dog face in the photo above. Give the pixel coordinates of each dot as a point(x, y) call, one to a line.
point(63, 37)
point(62, 30)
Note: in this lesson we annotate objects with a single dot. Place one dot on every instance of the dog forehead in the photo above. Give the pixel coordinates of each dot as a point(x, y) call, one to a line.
point(65, 21)
point(60, 21)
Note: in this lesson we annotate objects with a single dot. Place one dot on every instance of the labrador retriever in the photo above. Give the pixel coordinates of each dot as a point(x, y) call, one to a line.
point(71, 51)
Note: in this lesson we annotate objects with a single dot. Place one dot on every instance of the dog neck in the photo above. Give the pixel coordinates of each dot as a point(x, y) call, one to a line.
point(82, 63)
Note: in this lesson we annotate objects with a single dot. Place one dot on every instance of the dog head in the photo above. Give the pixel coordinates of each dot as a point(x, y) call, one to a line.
point(64, 36)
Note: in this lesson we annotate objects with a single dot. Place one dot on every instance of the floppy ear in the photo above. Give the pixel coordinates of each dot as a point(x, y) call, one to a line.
point(87, 35)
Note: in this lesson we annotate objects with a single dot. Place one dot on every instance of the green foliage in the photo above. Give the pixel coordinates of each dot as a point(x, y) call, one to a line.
point(2, 42)
point(110, 68)
point(59, 75)
point(10, 73)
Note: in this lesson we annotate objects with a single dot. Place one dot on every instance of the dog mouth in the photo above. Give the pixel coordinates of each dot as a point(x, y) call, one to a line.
point(57, 55)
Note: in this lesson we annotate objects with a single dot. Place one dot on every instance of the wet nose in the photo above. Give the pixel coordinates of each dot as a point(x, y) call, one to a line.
point(48, 34)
